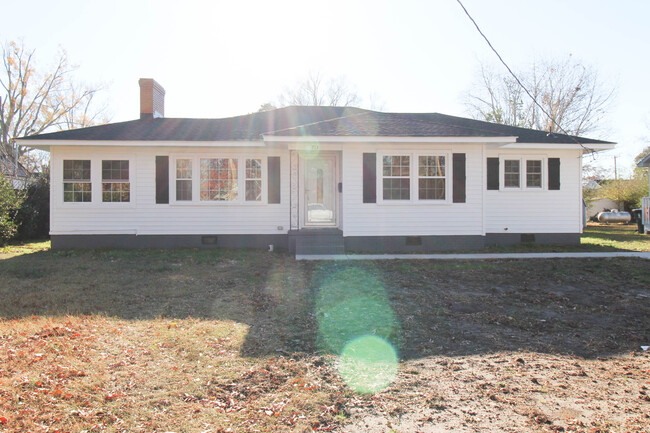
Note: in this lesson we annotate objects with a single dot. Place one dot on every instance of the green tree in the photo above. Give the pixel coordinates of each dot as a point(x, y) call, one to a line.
point(10, 202)
point(33, 217)
point(629, 191)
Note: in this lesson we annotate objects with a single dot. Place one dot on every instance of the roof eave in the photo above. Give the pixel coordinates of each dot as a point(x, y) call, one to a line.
point(589, 147)
point(386, 139)
point(46, 144)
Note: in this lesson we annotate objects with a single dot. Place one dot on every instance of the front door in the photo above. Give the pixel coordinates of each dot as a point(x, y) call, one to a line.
point(320, 191)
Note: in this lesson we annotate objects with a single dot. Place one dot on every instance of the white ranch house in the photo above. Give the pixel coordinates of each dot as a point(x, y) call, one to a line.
point(312, 180)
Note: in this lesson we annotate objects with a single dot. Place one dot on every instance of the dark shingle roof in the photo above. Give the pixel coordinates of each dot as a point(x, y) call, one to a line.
point(372, 123)
point(246, 127)
point(308, 121)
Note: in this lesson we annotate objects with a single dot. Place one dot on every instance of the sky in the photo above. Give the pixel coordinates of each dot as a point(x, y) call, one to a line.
point(226, 58)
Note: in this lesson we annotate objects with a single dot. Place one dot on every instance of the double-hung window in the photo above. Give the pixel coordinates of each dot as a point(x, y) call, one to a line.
point(396, 177)
point(522, 172)
point(533, 173)
point(414, 176)
point(115, 181)
point(184, 180)
point(432, 183)
point(512, 173)
point(254, 179)
point(77, 186)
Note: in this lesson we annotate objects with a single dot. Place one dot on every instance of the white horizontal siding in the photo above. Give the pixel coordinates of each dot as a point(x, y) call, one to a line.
point(538, 211)
point(144, 216)
point(390, 219)
point(516, 211)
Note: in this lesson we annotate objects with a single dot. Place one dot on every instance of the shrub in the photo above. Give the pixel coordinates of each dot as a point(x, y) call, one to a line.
point(33, 218)
point(10, 202)
point(629, 191)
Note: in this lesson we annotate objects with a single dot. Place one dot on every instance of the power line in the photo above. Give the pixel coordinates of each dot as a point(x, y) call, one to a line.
point(520, 83)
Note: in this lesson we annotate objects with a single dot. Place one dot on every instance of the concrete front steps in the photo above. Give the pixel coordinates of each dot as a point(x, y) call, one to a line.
point(317, 242)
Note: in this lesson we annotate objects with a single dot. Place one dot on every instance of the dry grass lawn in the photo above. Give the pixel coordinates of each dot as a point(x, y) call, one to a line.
point(100, 374)
point(215, 341)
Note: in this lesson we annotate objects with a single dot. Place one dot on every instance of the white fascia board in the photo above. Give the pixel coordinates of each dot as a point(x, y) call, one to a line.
point(590, 146)
point(314, 146)
point(46, 144)
point(396, 139)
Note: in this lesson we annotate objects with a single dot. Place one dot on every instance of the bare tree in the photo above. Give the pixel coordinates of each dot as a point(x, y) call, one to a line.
point(315, 89)
point(87, 112)
point(33, 101)
point(570, 92)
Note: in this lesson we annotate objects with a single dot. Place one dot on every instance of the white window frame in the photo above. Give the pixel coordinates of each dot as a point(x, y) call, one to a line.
point(503, 176)
point(96, 180)
point(196, 179)
point(252, 179)
point(64, 181)
point(414, 176)
point(409, 177)
point(541, 174)
point(418, 177)
point(227, 169)
point(101, 190)
point(176, 178)
point(523, 159)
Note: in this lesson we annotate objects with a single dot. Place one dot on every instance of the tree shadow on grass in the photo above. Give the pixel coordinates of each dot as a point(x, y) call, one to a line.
point(422, 308)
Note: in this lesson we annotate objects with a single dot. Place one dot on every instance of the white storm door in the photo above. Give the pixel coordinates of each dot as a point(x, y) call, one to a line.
point(320, 191)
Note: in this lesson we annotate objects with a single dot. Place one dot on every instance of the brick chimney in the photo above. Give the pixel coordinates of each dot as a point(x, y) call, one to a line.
point(152, 99)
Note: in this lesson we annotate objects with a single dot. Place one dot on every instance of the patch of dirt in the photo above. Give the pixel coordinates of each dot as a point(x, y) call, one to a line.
point(511, 392)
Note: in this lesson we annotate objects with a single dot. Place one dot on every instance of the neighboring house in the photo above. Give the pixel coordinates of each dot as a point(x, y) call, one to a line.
point(14, 172)
point(313, 180)
point(597, 203)
point(645, 201)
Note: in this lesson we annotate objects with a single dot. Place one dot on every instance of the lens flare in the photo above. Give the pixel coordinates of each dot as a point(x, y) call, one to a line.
point(368, 364)
point(356, 322)
point(354, 318)
point(310, 151)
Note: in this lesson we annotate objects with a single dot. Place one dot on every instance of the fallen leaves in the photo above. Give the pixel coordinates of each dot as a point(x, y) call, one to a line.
point(115, 396)
point(99, 374)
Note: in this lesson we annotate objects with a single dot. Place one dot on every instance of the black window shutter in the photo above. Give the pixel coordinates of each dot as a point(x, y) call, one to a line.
point(459, 177)
point(493, 173)
point(274, 179)
point(370, 178)
point(554, 173)
point(162, 179)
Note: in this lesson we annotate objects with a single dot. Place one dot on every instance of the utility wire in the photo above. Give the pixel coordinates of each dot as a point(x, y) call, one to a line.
point(522, 84)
